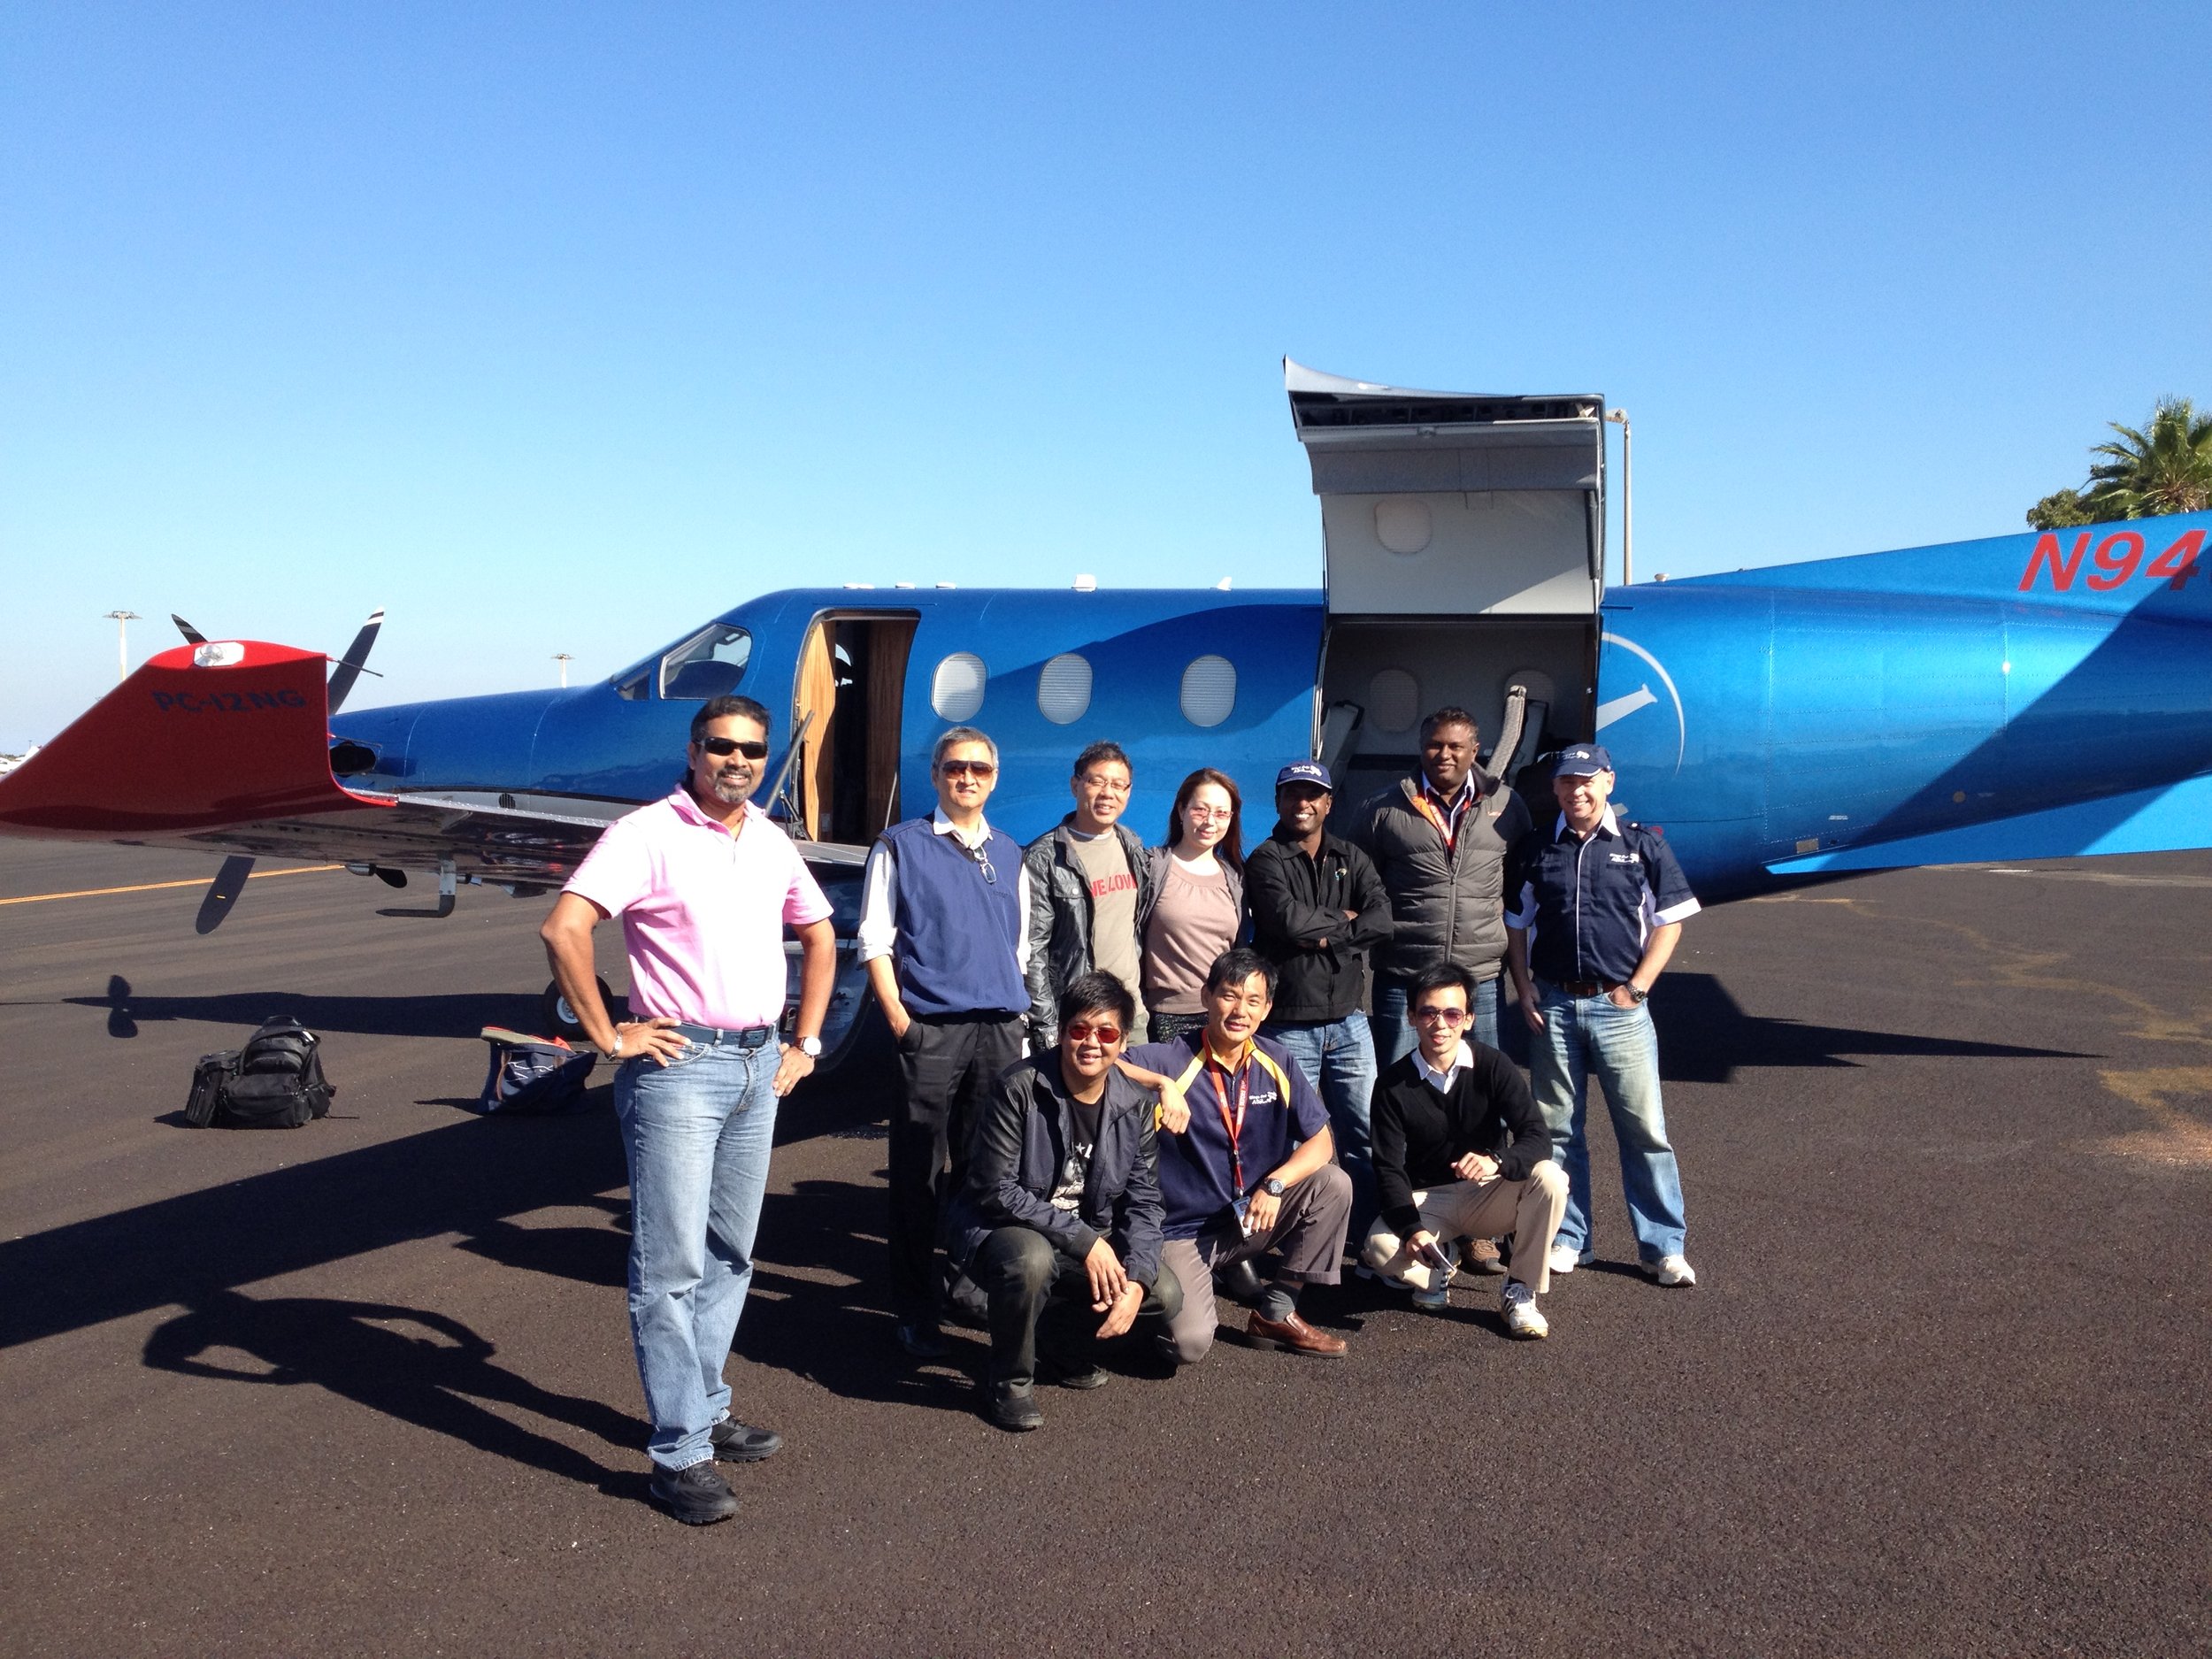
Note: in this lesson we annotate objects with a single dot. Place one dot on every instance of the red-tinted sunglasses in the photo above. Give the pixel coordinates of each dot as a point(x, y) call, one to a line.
point(1083, 1030)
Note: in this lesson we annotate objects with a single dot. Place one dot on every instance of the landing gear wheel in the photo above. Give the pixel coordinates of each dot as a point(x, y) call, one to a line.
point(558, 1019)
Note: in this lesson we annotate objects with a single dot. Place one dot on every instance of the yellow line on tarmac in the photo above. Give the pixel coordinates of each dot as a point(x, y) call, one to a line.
point(156, 886)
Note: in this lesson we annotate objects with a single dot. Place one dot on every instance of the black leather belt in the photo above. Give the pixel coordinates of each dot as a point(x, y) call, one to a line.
point(715, 1037)
point(1586, 987)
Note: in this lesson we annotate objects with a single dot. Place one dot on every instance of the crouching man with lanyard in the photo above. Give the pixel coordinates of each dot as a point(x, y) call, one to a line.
point(1601, 902)
point(1246, 1168)
point(706, 886)
point(1062, 1208)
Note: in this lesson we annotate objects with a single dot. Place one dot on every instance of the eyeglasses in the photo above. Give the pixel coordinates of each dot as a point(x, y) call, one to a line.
point(1428, 1013)
point(1104, 786)
point(1209, 814)
point(1084, 1030)
point(968, 768)
point(728, 746)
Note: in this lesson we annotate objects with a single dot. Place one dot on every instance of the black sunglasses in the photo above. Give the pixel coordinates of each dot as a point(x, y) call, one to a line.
point(728, 746)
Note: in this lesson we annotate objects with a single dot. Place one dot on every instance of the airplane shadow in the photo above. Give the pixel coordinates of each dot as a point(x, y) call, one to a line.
point(410, 1363)
point(454, 1015)
point(1705, 1036)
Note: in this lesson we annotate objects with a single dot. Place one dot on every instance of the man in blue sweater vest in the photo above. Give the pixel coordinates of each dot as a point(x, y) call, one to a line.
point(944, 931)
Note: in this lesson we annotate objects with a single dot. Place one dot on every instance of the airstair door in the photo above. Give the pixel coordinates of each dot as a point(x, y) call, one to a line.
point(1463, 547)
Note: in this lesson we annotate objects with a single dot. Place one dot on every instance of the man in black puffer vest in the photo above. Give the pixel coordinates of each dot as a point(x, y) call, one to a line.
point(1460, 1150)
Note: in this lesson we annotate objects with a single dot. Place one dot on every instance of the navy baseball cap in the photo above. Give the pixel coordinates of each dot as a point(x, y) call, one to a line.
point(1584, 760)
point(1310, 771)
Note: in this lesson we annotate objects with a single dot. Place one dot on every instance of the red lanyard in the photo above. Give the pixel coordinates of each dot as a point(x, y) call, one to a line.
point(1235, 1125)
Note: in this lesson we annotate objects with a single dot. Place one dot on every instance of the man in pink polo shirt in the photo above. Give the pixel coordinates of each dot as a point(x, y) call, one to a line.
point(704, 885)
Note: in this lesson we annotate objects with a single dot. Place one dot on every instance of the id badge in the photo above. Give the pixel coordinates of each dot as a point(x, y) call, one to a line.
point(1243, 1207)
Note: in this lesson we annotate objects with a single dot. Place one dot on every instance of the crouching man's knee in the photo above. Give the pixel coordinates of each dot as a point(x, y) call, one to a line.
point(1186, 1347)
point(1549, 1177)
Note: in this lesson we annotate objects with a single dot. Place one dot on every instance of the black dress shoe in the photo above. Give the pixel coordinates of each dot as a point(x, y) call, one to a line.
point(735, 1443)
point(696, 1496)
point(1240, 1281)
point(923, 1341)
point(1015, 1408)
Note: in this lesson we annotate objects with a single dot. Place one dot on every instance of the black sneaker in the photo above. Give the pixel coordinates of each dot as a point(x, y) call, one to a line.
point(1078, 1376)
point(923, 1341)
point(1015, 1408)
point(696, 1496)
point(734, 1443)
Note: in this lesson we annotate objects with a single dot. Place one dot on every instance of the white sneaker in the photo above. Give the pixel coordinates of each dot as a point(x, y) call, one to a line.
point(1563, 1258)
point(1433, 1301)
point(1519, 1305)
point(1674, 1271)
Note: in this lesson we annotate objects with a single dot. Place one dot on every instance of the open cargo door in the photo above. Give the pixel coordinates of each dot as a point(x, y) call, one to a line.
point(1463, 541)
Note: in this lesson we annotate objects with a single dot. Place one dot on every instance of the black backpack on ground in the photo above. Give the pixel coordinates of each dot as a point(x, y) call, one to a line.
point(274, 1082)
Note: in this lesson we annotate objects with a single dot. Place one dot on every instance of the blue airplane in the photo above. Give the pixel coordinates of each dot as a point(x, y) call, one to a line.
point(2025, 696)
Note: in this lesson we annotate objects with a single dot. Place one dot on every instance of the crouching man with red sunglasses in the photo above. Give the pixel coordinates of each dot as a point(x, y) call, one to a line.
point(1060, 1220)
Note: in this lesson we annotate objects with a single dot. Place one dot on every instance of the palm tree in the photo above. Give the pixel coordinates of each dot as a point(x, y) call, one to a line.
point(2168, 469)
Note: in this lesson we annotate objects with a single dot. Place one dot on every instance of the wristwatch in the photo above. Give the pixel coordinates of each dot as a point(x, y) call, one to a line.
point(1630, 987)
point(811, 1047)
point(1272, 1187)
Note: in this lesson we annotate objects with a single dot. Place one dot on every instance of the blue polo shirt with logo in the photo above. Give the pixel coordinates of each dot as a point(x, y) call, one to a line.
point(1589, 904)
point(1196, 1165)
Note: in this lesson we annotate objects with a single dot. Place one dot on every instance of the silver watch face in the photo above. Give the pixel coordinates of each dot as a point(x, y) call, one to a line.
point(811, 1047)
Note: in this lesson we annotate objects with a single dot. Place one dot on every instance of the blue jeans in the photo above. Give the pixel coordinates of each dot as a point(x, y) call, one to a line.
point(1337, 1058)
point(696, 1135)
point(1394, 1036)
point(1586, 1035)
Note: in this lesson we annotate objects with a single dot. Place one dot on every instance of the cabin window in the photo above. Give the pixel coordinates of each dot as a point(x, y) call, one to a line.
point(1209, 690)
point(1064, 689)
point(709, 664)
point(956, 691)
point(1393, 700)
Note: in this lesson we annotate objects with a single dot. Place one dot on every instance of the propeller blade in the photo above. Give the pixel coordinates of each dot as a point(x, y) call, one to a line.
point(348, 666)
point(223, 891)
point(192, 636)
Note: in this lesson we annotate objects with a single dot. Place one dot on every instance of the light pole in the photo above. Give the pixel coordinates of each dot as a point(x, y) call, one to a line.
point(122, 620)
point(563, 659)
point(1619, 418)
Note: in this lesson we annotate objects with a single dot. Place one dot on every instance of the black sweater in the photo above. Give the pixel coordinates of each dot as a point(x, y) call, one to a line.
point(1297, 905)
point(1418, 1134)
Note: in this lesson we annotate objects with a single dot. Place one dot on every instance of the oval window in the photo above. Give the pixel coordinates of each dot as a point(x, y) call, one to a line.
point(1393, 700)
point(956, 690)
point(1209, 690)
point(1063, 689)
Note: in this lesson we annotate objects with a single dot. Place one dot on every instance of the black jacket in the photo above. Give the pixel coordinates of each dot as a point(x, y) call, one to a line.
point(1295, 903)
point(1060, 921)
point(1022, 1136)
point(1417, 1133)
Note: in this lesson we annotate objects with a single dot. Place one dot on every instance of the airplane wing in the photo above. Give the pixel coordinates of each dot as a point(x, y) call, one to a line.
point(225, 747)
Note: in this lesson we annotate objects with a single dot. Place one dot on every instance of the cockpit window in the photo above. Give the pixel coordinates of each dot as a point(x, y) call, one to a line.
point(709, 664)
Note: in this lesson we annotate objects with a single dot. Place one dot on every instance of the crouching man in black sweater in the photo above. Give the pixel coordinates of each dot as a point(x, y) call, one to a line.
point(1062, 1209)
point(1461, 1151)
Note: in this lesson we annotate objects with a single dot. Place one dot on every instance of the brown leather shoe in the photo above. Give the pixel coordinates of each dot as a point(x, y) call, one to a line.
point(1482, 1256)
point(1292, 1335)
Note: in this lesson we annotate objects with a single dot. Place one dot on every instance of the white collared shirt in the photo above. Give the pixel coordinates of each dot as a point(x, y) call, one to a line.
point(877, 931)
point(1441, 1081)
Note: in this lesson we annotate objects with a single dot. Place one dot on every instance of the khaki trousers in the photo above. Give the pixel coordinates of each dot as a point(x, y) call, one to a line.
point(1529, 1210)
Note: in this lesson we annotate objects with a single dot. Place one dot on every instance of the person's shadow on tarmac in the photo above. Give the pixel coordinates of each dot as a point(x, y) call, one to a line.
point(419, 1366)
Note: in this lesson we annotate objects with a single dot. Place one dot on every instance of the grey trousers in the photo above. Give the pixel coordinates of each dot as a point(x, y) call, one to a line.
point(1309, 1233)
point(1530, 1210)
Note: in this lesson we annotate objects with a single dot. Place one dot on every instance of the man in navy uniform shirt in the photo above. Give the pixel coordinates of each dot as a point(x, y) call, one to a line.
point(1247, 1166)
point(1600, 903)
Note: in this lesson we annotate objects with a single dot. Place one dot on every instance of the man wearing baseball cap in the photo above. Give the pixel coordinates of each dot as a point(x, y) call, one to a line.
point(1318, 906)
point(1597, 902)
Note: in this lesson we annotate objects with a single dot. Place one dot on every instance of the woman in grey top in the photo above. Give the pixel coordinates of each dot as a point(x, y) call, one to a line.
point(1197, 909)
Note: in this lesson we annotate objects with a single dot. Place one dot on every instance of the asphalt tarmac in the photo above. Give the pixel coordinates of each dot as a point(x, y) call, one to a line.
point(365, 1386)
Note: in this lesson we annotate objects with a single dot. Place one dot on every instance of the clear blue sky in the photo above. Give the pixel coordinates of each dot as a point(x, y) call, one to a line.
point(563, 328)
